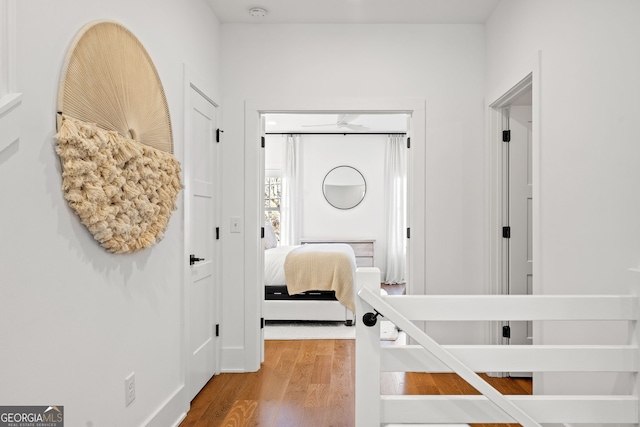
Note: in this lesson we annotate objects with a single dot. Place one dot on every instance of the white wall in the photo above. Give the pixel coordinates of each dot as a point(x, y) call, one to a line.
point(75, 320)
point(589, 154)
point(444, 64)
point(320, 154)
point(365, 221)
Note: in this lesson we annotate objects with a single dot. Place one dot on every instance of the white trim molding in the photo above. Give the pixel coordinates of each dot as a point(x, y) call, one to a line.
point(254, 181)
point(9, 123)
point(526, 76)
point(10, 100)
point(7, 47)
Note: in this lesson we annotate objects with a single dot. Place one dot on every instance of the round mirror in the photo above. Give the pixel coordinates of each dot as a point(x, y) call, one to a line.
point(344, 187)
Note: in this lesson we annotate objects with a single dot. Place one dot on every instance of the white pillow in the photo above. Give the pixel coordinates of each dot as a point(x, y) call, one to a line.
point(270, 239)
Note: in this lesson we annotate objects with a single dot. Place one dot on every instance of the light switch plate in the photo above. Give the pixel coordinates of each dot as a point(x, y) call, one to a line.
point(235, 224)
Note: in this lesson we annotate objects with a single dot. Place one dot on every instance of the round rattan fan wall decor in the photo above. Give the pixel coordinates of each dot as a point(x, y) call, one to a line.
point(109, 79)
point(119, 174)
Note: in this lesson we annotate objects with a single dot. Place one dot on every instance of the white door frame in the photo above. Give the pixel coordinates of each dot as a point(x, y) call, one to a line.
point(192, 81)
point(254, 252)
point(526, 77)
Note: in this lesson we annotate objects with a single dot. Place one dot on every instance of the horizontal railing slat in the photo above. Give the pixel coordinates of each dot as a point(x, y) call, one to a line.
point(478, 409)
point(514, 358)
point(515, 307)
point(372, 297)
point(490, 407)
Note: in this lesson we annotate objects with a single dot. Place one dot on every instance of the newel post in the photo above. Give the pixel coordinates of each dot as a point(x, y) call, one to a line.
point(367, 354)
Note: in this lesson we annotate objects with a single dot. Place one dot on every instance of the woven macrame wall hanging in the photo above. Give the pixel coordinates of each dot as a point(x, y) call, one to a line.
point(114, 140)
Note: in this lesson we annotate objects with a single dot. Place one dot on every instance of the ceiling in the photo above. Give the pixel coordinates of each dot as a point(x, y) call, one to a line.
point(356, 11)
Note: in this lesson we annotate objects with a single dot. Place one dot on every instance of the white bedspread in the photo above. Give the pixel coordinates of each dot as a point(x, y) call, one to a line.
point(274, 265)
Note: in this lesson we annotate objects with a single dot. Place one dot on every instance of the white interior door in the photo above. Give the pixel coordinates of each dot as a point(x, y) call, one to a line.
point(520, 216)
point(203, 284)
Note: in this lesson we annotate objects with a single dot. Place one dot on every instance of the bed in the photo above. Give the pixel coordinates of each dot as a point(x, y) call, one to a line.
point(310, 282)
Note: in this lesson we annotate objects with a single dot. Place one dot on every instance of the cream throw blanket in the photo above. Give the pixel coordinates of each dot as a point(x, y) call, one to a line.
point(322, 267)
point(122, 190)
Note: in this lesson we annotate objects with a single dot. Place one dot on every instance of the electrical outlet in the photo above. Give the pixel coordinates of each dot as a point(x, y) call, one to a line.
point(235, 224)
point(129, 389)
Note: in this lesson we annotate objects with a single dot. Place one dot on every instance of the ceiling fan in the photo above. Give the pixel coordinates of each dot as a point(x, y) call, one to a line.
point(343, 121)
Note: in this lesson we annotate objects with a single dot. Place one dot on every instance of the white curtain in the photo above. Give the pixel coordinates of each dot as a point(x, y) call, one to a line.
point(291, 203)
point(396, 208)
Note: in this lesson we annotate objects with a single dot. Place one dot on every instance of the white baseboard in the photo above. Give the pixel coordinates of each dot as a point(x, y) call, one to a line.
point(172, 412)
point(232, 359)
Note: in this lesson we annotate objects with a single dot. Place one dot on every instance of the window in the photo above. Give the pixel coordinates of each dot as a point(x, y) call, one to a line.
point(272, 196)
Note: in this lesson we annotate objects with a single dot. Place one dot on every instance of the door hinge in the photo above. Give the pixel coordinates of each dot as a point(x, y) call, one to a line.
point(506, 135)
point(506, 232)
point(218, 132)
point(262, 141)
point(262, 232)
point(217, 233)
point(218, 330)
point(408, 233)
point(262, 323)
point(506, 332)
point(409, 142)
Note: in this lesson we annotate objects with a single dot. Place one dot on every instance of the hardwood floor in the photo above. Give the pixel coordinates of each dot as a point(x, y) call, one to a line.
point(310, 383)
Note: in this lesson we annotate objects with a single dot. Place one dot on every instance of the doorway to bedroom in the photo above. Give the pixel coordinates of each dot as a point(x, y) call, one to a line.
point(332, 177)
point(255, 132)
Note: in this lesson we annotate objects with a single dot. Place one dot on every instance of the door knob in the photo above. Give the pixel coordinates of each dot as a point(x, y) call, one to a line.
point(193, 259)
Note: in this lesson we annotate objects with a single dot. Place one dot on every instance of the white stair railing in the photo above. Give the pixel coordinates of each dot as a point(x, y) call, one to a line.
point(373, 409)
